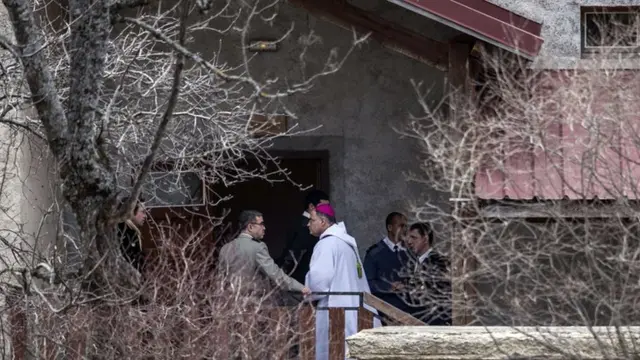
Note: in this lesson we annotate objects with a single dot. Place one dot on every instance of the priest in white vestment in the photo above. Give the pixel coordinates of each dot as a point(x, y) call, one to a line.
point(335, 267)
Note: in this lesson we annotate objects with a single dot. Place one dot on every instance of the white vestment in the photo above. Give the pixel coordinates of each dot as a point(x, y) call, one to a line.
point(334, 268)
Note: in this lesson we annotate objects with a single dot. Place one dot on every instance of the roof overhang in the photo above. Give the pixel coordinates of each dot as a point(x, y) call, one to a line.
point(391, 35)
point(484, 21)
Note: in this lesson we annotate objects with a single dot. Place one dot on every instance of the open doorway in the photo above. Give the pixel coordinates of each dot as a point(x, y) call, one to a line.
point(280, 202)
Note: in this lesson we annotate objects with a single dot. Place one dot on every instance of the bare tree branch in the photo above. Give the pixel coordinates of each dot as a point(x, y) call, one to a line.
point(128, 105)
point(38, 75)
point(168, 113)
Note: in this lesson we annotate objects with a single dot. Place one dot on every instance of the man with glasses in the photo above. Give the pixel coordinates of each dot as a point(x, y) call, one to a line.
point(248, 257)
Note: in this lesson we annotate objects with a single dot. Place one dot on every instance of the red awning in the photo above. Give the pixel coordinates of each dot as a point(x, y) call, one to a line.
point(484, 21)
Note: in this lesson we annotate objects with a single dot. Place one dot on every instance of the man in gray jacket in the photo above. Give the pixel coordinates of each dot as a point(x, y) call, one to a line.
point(247, 257)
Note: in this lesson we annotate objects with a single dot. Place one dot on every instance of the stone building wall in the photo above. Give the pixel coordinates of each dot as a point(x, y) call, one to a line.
point(354, 114)
point(561, 28)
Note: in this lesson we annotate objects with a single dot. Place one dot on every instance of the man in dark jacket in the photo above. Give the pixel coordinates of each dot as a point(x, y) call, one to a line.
point(129, 236)
point(296, 255)
point(430, 282)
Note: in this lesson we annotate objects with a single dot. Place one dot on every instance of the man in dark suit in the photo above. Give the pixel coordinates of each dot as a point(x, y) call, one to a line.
point(385, 262)
point(296, 255)
point(429, 283)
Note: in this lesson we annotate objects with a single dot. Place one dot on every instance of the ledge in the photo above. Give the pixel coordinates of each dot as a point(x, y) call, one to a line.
point(500, 342)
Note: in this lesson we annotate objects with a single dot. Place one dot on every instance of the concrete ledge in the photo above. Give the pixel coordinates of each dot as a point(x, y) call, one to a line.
point(500, 342)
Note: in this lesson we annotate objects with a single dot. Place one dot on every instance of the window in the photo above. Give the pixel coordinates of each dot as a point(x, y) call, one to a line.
point(175, 188)
point(610, 30)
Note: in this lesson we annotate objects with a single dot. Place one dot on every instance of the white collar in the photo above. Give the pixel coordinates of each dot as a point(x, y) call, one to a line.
point(424, 256)
point(391, 245)
point(306, 214)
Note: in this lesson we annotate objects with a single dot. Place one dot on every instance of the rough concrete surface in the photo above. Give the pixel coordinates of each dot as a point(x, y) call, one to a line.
point(456, 342)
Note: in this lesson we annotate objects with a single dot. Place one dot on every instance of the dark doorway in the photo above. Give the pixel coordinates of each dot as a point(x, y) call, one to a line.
point(280, 201)
point(172, 230)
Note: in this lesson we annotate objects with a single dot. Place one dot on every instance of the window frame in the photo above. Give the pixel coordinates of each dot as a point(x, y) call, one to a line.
point(202, 191)
point(589, 51)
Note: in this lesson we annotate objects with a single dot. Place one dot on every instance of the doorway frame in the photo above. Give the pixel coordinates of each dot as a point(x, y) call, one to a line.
point(324, 176)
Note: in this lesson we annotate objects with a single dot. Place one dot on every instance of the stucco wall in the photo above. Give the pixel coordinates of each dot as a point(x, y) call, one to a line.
point(355, 111)
point(561, 28)
point(24, 197)
point(25, 193)
point(27, 217)
point(38, 212)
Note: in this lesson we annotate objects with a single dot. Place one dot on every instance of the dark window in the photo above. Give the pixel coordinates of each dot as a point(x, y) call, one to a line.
point(174, 188)
point(609, 30)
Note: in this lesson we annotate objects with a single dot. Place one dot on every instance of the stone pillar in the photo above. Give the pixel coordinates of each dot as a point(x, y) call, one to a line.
point(499, 342)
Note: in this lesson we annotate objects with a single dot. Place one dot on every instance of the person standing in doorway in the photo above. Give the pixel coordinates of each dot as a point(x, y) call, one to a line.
point(430, 283)
point(335, 267)
point(296, 255)
point(247, 256)
point(385, 262)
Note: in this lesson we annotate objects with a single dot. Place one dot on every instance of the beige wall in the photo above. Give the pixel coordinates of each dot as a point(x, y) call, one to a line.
point(24, 196)
point(25, 186)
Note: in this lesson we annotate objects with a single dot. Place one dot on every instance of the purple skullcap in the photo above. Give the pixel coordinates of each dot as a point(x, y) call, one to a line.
point(325, 209)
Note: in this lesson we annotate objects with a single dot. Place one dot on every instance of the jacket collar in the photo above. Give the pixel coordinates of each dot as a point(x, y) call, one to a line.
point(244, 235)
point(391, 245)
point(425, 256)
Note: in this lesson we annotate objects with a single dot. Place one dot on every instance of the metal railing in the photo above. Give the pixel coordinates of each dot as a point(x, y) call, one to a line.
point(301, 318)
point(306, 322)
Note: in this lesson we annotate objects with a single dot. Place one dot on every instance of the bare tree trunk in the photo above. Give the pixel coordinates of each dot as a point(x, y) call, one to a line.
point(105, 104)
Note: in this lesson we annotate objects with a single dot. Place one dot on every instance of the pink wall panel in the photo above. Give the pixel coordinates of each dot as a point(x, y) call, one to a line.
point(575, 138)
point(607, 181)
point(519, 175)
point(548, 164)
point(630, 157)
point(591, 147)
point(489, 183)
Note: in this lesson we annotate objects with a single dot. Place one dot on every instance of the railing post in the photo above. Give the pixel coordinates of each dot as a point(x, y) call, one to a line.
point(336, 334)
point(365, 319)
point(224, 339)
point(77, 346)
point(47, 346)
point(307, 331)
point(17, 325)
point(281, 321)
